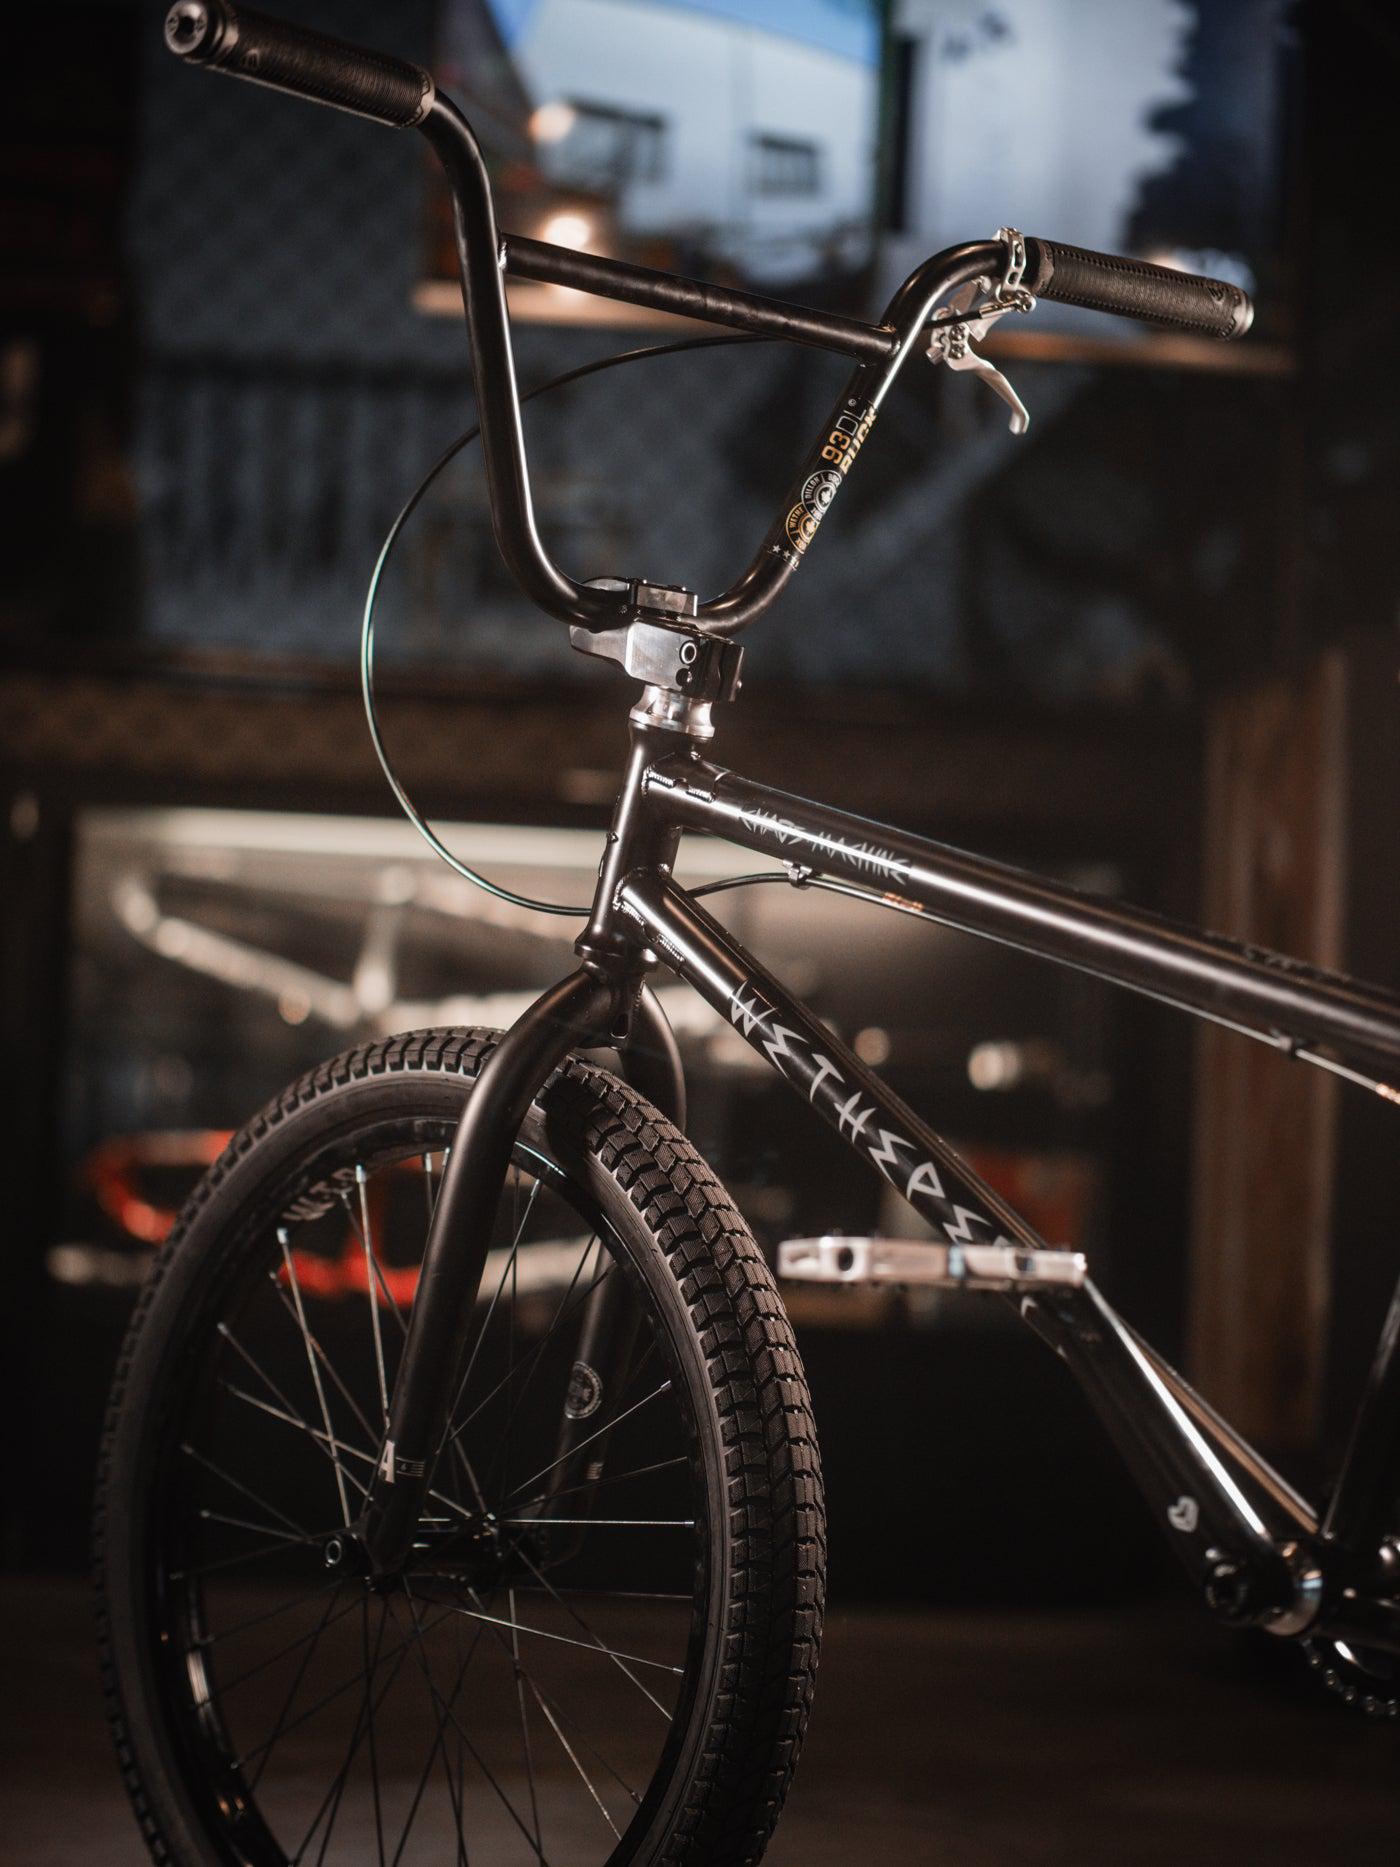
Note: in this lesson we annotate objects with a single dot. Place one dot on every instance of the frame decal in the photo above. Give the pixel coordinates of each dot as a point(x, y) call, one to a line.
point(820, 486)
point(919, 1165)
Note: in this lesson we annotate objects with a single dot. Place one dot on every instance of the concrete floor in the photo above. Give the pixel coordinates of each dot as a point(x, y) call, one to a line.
point(971, 1738)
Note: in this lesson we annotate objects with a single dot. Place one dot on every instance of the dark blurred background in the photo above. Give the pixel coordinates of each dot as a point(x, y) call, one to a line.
point(1149, 647)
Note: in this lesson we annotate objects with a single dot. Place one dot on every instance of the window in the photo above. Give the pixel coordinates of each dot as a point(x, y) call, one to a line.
point(607, 147)
point(785, 165)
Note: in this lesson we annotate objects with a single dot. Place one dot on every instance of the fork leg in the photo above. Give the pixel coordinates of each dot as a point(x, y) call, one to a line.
point(651, 1059)
point(581, 1011)
point(607, 1343)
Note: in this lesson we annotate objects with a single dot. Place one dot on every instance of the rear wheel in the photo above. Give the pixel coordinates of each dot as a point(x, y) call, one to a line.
point(602, 1645)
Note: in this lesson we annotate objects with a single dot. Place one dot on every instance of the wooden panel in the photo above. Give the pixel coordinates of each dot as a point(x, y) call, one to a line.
point(1265, 1127)
point(1069, 784)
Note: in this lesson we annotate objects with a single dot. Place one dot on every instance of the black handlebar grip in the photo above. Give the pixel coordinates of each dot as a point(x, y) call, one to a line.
point(1132, 288)
point(247, 44)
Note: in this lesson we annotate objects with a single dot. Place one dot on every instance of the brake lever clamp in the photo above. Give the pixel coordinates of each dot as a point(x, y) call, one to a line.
point(956, 327)
point(1010, 294)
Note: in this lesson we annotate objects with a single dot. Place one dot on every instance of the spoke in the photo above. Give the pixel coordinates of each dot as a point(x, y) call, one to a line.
point(371, 1290)
point(311, 1363)
point(339, 1445)
point(532, 1355)
point(329, 1447)
point(601, 1523)
point(429, 1190)
point(437, 1748)
point(250, 1672)
point(370, 1666)
point(586, 1646)
point(616, 1658)
point(376, 1269)
point(475, 1754)
point(257, 1620)
point(334, 1795)
point(569, 1753)
point(596, 1484)
point(514, 1401)
point(549, 1705)
point(574, 1450)
point(336, 1692)
point(506, 1269)
point(266, 1380)
point(607, 1594)
point(277, 1545)
point(524, 1724)
point(260, 1529)
point(329, 1367)
point(252, 1496)
point(286, 1708)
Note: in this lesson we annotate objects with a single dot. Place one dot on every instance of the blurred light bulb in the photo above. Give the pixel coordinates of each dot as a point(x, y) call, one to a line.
point(552, 122)
point(573, 230)
point(997, 1065)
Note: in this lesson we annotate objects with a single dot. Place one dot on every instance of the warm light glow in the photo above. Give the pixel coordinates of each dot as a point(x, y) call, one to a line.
point(997, 1065)
point(573, 230)
point(551, 123)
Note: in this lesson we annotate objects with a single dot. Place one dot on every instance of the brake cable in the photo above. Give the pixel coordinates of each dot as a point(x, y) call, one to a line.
point(406, 511)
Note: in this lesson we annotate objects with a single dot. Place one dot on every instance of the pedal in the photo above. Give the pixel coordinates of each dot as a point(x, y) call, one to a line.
point(837, 1260)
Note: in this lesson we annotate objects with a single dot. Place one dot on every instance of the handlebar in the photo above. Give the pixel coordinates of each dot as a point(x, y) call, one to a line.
point(1133, 288)
point(389, 91)
point(249, 44)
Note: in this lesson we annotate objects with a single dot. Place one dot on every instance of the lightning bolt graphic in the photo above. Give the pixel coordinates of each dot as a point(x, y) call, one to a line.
point(960, 1228)
point(845, 1112)
point(748, 1015)
point(884, 1155)
point(924, 1179)
point(776, 1046)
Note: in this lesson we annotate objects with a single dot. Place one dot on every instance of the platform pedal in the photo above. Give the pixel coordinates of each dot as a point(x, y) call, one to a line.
point(838, 1260)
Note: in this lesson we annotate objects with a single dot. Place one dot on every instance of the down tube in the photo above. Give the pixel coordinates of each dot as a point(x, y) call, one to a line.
point(921, 1167)
point(1197, 1480)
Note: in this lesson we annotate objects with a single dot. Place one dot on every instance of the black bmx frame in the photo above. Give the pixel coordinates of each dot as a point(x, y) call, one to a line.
point(1262, 1554)
point(1258, 1549)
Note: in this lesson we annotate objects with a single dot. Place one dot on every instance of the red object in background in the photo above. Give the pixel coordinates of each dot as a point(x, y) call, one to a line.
point(1053, 1192)
point(116, 1170)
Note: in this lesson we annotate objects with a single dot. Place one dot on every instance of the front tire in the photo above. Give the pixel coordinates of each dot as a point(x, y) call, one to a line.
point(633, 1688)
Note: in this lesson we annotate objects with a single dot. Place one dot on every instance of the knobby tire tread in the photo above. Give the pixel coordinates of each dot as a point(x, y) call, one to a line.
point(774, 1498)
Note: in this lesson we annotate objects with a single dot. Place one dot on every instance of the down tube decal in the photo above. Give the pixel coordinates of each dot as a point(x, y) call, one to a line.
point(921, 1167)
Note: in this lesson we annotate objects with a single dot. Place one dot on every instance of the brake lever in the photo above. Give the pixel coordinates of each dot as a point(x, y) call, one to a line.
point(951, 343)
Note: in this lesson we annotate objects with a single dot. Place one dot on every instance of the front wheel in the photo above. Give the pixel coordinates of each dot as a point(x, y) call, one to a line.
point(602, 1646)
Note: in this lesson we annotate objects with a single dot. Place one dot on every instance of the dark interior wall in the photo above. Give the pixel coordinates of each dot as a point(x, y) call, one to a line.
point(1348, 549)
